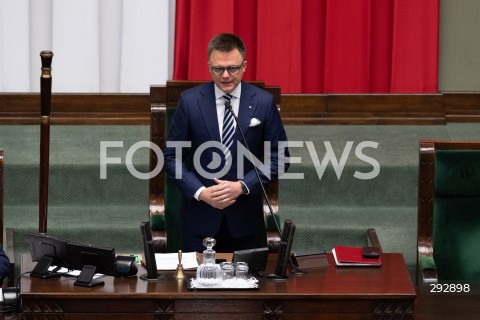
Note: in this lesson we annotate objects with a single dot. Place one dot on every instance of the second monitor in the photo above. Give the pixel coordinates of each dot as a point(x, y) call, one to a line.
point(91, 259)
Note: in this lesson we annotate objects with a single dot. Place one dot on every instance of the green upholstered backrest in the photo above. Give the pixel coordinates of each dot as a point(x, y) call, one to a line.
point(456, 228)
point(272, 222)
point(157, 223)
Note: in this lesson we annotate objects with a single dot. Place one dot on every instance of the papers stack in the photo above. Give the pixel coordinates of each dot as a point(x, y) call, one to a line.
point(169, 261)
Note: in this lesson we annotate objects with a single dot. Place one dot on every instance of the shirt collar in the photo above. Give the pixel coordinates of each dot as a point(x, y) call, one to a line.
point(235, 93)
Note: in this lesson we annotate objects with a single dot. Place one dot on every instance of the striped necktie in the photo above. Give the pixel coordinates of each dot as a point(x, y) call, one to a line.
point(228, 129)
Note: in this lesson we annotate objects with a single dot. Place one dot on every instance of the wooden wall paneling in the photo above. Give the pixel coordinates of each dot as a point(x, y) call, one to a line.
point(386, 108)
point(88, 108)
point(303, 109)
point(462, 107)
point(76, 108)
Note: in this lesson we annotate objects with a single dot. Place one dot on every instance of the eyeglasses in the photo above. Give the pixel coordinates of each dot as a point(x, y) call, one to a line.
point(230, 69)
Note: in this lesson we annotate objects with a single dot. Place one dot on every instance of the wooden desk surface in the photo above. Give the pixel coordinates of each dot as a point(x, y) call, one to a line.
point(385, 291)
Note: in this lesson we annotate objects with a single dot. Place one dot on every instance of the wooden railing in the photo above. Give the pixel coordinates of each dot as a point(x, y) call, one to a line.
point(91, 108)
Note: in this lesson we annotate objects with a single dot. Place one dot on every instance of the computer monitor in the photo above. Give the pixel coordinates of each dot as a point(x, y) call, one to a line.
point(284, 250)
point(255, 258)
point(48, 251)
point(90, 259)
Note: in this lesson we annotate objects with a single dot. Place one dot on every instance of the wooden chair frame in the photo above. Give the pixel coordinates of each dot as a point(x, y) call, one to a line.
point(426, 193)
point(162, 98)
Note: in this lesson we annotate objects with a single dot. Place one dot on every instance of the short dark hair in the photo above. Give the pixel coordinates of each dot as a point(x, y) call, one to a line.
point(226, 42)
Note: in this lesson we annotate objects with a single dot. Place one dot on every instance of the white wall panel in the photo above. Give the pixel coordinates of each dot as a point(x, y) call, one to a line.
point(14, 46)
point(98, 45)
point(145, 38)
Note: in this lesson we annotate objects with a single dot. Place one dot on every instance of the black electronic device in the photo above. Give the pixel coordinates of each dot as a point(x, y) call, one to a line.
point(255, 258)
point(149, 254)
point(90, 258)
point(370, 252)
point(86, 276)
point(126, 266)
point(48, 251)
point(284, 251)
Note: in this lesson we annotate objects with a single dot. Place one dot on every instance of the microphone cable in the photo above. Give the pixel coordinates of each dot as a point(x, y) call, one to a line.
point(277, 226)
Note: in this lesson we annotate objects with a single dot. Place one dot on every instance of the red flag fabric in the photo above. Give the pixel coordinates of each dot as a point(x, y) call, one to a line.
point(317, 46)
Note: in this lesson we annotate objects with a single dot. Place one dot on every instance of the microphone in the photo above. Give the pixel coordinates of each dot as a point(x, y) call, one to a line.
point(277, 227)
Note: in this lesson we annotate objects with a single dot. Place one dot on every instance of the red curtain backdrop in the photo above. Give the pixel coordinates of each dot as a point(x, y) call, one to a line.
point(317, 46)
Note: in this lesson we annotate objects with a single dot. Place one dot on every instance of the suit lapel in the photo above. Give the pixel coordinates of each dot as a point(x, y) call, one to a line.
point(246, 109)
point(208, 110)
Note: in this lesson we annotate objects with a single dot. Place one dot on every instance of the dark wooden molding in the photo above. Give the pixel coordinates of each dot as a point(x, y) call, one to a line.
point(363, 109)
point(95, 108)
point(76, 108)
point(462, 107)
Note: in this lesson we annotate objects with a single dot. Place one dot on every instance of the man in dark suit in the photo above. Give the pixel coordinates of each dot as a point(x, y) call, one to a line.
point(205, 152)
point(4, 264)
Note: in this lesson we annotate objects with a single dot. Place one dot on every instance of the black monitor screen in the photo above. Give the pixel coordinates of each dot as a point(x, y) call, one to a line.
point(149, 253)
point(43, 245)
point(80, 255)
point(255, 258)
point(285, 248)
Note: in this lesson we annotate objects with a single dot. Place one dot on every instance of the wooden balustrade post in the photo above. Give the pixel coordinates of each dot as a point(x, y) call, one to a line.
point(45, 99)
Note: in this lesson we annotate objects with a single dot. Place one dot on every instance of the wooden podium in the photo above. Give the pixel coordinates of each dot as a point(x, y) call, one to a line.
point(329, 292)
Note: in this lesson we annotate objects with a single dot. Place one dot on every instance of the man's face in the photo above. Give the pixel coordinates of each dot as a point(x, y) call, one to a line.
point(227, 79)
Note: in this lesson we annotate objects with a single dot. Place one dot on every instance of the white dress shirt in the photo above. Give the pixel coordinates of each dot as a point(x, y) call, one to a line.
point(220, 102)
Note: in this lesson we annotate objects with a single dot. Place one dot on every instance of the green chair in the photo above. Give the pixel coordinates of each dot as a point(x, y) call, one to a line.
point(448, 212)
point(164, 207)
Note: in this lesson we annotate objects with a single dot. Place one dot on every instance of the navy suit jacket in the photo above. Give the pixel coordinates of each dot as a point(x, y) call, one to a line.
point(195, 120)
point(4, 264)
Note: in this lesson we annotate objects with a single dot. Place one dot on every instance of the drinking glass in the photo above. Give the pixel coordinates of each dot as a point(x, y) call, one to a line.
point(228, 270)
point(241, 270)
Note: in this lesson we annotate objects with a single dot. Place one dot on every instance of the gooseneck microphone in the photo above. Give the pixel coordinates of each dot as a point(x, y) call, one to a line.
point(277, 227)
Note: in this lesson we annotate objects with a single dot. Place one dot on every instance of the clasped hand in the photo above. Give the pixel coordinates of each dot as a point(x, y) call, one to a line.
point(221, 195)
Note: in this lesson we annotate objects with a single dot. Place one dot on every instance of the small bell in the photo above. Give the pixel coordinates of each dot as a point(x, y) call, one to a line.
point(179, 272)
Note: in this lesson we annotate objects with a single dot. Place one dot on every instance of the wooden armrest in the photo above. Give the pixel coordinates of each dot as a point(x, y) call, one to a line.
point(373, 238)
point(273, 238)
point(157, 183)
point(273, 241)
point(159, 236)
point(426, 274)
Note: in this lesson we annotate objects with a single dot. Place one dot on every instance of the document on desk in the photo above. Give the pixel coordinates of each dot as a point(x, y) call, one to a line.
point(169, 261)
point(352, 256)
point(71, 273)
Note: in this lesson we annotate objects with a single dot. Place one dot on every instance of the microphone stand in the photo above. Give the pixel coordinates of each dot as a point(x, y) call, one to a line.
point(277, 227)
point(295, 270)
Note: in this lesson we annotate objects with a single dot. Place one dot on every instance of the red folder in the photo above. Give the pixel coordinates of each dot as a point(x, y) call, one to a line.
point(352, 256)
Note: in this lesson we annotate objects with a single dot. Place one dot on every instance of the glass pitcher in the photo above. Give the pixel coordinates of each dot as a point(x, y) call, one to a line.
point(209, 273)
